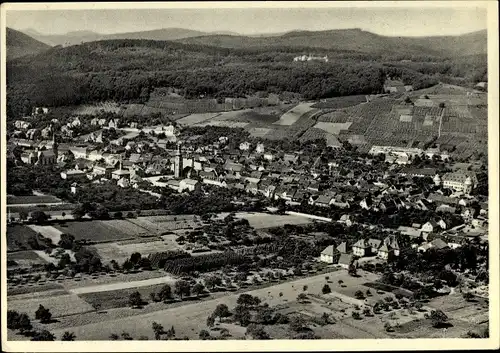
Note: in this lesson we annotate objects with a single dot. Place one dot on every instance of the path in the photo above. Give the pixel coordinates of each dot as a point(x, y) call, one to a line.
point(122, 285)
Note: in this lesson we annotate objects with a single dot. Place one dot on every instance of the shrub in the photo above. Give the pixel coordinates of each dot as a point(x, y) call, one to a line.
point(326, 289)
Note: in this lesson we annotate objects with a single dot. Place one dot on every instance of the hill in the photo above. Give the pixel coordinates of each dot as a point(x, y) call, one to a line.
point(20, 44)
point(357, 40)
point(78, 37)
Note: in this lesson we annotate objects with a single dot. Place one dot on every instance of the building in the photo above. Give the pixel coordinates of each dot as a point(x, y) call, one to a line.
point(328, 255)
point(374, 245)
point(385, 252)
point(103, 170)
point(178, 162)
point(361, 248)
point(188, 184)
point(460, 181)
point(73, 174)
point(346, 260)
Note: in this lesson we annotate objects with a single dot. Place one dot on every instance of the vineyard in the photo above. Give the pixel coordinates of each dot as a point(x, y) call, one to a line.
point(294, 114)
point(315, 133)
point(204, 263)
point(337, 116)
point(98, 108)
point(340, 102)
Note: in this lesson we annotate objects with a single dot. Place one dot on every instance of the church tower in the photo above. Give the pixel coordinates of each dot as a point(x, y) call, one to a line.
point(178, 162)
point(54, 144)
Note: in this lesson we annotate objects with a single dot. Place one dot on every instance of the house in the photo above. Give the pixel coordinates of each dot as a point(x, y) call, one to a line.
point(430, 226)
point(74, 188)
point(123, 182)
point(119, 174)
point(446, 209)
point(323, 200)
point(374, 245)
point(188, 184)
point(346, 260)
point(460, 181)
point(385, 252)
point(245, 146)
point(410, 231)
point(346, 219)
point(102, 169)
point(438, 243)
point(361, 248)
point(73, 174)
point(392, 242)
point(329, 255)
point(342, 248)
point(114, 123)
point(260, 148)
point(468, 214)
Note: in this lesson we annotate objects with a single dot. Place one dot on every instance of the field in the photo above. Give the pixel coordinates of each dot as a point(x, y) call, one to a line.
point(119, 298)
point(17, 237)
point(196, 118)
point(340, 102)
point(31, 200)
point(121, 252)
point(50, 232)
point(59, 305)
point(264, 220)
point(98, 231)
point(294, 114)
point(97, 108)
point(332, 128)
point(161, 224)
point(25, 258)
point(258, 131)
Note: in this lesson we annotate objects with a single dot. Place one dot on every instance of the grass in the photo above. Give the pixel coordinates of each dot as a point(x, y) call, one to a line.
point(22, 200)
point(59, 305)
point(25, 258)
point(340, 102)
point(39, 288)
point(17, 237)
point(119, 298)
point(97, 231)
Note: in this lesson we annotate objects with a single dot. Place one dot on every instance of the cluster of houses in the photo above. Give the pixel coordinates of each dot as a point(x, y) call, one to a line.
point(311, 58)
point(345, 255)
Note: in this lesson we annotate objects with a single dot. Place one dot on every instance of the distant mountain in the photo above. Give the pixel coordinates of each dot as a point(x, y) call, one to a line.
point(78, 37)
point(20, 44)
point(356, 40)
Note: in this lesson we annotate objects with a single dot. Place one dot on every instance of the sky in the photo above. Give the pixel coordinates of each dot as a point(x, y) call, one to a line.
point(395, 21)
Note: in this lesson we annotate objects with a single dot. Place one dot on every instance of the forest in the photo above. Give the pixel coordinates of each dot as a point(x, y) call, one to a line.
point(128, 70)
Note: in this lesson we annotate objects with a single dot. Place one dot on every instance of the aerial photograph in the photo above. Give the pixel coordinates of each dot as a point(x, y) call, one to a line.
point(255, 173)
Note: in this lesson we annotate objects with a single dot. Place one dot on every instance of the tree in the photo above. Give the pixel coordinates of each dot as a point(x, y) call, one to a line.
point(248, 300)
point(388, 327)
point(135, 258)
point(24, 323)
point(182, 288)
point(297, 323)
point(158, 330)
point(126, 336)
point(198, 289)
point(356, 315)
point(210, 321)
point(468, 296)
point(359, 295)
point(43, 314)
point(221, 311)
point(367, 312)
point(368, 293)
point(43, 335)
point(68, 336)
point(327, 278)
point(438, 318)
point(165, 293)
point(418, 306)
point(118, 215)
point(213, 281)
point(326, 289)
point(265, 316)
point(114, 337)
point(340, 282)
point(301, 297)
point(66, 241)
point(242, 315)
point(257, 332)
point(326, 318)
point(39, 217)
point(135, 300)
point(305, 288)
point(204, 335)
point(352, 270)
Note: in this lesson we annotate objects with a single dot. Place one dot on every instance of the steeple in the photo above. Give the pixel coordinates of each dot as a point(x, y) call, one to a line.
point(178, 162)
point(54, 144)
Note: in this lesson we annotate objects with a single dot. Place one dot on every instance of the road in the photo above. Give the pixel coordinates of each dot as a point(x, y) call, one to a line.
point(122, 285)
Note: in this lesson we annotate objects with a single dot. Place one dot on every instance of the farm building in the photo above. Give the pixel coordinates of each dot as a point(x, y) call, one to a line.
point(329, 255)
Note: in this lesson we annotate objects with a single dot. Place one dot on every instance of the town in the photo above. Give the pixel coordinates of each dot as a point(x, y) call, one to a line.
point(188, 211)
